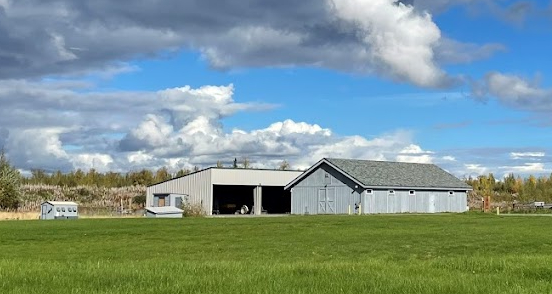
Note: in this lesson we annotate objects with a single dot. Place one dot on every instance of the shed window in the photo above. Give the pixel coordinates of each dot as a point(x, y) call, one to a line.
point(69, 209)
point(63, 209)
point(451, 193)
point(411, 192)
point(178, 201)
point(369, 191)
point(58, 209)
point(391, 191)
point(327, 179)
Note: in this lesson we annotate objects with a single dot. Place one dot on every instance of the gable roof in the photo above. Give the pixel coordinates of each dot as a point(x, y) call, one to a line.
point(386, 174)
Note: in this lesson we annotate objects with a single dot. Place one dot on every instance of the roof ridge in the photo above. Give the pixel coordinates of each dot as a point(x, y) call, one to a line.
point(383, 161)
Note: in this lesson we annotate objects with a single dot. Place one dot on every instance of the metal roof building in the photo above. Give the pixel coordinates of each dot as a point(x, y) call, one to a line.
point(338, 186)
point(226, 190)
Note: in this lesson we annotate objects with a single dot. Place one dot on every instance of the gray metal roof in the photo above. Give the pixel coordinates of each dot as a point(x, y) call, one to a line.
point(61, 203)
point(397, 174)
point(164, 210)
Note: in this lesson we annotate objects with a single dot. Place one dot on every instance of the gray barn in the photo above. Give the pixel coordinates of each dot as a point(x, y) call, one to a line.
point(340, 186)
point(59, 210)
point(226, 190)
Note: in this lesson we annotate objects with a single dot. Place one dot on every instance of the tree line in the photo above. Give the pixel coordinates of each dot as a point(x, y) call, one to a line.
point(510, 189)
point(513, 188)
point(142, 177)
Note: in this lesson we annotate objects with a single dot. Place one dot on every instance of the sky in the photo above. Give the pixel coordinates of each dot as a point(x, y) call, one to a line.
point(126, 85)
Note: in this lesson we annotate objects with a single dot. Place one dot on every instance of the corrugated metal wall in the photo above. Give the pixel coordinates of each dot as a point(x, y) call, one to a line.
point(197, 186)
point(252, 177)
point(307, 198)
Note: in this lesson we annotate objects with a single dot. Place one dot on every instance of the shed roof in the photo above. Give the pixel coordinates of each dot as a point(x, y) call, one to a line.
point(164, 210)
point(61, 203)
point(370, 173)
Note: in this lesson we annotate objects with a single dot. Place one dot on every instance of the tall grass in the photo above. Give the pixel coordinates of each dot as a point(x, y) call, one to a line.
point(316, 254)
point(90, 197)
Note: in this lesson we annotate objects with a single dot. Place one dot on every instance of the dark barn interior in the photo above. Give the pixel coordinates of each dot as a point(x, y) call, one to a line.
point(227, 199)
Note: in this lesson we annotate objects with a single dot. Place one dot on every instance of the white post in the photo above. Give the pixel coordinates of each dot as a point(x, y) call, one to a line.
point(258, 200)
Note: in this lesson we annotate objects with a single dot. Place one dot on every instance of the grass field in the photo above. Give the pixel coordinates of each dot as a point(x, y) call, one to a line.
point(316, 254)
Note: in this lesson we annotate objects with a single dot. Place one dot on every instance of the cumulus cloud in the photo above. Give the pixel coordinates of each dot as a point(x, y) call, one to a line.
point(358, 36)
point(177, 127)
point(414, 153)
point(64, 125)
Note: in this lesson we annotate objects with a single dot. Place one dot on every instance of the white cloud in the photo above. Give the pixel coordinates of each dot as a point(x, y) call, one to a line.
point(97, 161)
point(448, 158)
point(38, 148)
point(414, 153)
point(532, 168)
point(519, 155)
point(399, 40)
point(475, 169)
point(178, 128)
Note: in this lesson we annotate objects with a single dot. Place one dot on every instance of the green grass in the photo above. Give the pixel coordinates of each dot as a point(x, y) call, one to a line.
point(316, 254)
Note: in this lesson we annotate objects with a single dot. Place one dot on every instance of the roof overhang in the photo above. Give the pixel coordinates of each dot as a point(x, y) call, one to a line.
point(419, 188)
point(315, 166)
point(323, 160)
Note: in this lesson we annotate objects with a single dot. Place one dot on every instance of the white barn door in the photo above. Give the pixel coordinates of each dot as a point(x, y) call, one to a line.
point(326, 201)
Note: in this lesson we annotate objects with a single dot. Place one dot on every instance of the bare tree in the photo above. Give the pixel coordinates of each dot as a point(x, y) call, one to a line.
point(246, 163)
point(284, 165)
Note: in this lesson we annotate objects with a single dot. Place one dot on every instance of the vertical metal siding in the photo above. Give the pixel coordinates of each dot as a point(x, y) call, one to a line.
point(304, 196)
point(252, 177)
point(197, 186)
point(381, 202)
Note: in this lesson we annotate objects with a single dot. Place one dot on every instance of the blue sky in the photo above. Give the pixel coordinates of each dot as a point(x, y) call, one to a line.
point(465, 84)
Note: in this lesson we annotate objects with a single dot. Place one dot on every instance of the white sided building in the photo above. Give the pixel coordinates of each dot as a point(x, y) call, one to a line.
point(227, 190)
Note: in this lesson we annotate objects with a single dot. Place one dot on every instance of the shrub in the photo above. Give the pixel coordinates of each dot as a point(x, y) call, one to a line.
point(139, 200)
point(192, 209)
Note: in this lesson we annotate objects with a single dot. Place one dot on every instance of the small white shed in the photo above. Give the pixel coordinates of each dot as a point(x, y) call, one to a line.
point(59, 210)
point(164, 212)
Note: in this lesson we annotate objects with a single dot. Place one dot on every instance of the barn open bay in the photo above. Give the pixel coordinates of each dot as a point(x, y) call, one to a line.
point(310, 254)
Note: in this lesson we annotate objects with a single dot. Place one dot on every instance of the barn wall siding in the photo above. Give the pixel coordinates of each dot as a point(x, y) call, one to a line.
point(305, 198)
point(197, 186)
point(380, 201)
